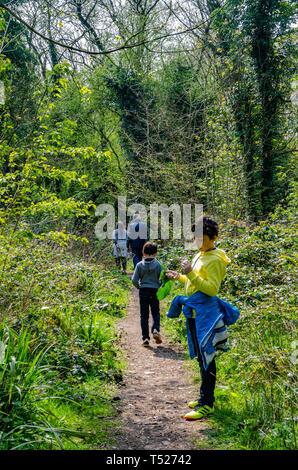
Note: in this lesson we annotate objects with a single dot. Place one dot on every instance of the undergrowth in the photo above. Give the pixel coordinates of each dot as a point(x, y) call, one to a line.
point(59, 355)
point(256, 392)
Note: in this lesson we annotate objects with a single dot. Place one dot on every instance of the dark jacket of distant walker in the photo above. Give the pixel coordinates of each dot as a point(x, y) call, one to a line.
point(138, 234)
point(147, 274)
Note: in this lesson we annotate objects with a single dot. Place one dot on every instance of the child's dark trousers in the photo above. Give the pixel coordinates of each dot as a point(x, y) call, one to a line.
point(208, 376)
point(148, 300)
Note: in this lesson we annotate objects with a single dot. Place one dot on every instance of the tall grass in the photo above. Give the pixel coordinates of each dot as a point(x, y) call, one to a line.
point(22, 382)
point(96, 331)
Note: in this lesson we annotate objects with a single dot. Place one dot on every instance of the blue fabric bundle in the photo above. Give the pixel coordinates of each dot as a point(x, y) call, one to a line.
point(212, 314)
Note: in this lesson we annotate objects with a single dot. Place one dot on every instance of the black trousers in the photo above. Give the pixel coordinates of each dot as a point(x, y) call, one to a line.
point(148, 300)
point(208, 377)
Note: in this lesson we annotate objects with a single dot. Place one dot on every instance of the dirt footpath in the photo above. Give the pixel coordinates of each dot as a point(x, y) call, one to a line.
point(155, 392)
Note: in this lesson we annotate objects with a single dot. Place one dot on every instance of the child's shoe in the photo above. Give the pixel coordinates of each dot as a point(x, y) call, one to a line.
point(200, 412)
point(157, 337)
point(145, 343)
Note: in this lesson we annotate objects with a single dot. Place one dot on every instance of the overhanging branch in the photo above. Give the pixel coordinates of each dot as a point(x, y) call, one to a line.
point(105, 52)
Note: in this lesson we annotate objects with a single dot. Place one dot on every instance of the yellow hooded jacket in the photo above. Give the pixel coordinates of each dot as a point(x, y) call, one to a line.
point(208, 271)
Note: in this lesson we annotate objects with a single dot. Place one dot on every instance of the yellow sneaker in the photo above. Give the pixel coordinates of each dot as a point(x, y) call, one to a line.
point(200, 413)
point(193, 404)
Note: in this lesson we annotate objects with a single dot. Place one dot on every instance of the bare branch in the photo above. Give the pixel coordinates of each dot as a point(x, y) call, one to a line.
point(110, 51)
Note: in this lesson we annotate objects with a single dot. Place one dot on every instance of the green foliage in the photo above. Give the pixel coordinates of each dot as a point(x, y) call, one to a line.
point(257, 52)
point(212, 124)
point(130, 94)
point(20, 77)
point(255, 393)
point(22, 374)
point(57, 335)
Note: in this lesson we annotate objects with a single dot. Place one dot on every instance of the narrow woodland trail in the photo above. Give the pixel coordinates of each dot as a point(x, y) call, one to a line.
point(157, 386)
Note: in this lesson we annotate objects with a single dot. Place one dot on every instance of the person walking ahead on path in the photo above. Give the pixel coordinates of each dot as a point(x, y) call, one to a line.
point(206, 314)
point(146, 279)
point(120, 249)
point(137, 236)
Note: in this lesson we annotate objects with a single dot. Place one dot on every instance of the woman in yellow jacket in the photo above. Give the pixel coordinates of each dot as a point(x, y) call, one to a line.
point(205, 274)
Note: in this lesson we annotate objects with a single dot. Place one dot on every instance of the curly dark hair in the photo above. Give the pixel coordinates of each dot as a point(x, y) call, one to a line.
point(210, 226)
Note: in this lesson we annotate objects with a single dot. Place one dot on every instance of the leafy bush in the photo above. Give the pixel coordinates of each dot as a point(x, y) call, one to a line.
point(55, 338)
